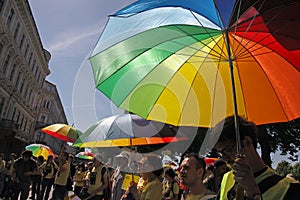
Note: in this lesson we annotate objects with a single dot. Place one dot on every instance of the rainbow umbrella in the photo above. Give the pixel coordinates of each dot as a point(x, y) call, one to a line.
point(63, 132)
point(193, 63)
point(85, 155)
point(40, 150)
point(126, 130)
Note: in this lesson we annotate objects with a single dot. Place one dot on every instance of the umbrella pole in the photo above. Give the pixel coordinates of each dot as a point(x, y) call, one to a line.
point(236, 121)
point(131, 149)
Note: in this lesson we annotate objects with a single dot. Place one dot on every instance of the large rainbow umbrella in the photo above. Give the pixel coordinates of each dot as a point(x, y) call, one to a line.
point(63, 132)
point(193, 63)
point(40, 150)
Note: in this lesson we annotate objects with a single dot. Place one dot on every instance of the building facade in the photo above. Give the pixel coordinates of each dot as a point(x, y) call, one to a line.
point(50, 112)
point(23, 69)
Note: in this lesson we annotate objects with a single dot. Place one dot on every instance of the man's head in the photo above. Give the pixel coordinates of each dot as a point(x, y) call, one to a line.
point(226, 144)
point(151, 163)
point(97, 161)
point(63, 156)
point(122, 159)
point(70, 158)
point(12, 156)
point(192, 170)
point(26, 154)
point(220, 167)
point(50, 158)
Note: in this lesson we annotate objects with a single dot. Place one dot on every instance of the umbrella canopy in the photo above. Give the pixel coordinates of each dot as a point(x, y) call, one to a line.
point(210, 161)
point(85, 155)
point(126, 130)
point(190, 63)
point(40, 150)
point(63, 132)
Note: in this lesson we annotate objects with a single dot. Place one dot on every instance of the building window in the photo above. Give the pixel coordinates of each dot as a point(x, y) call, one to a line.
point(18, 79)
point(26, 91)
point(33, 65)
point(1, 105)
point(30, 57)
point(22, 41)
point(38, 78)
point(5, 65)
point(1, 5)
point(14, 113)
point(1, 47)
point(10, 17)
point(17, 30)
point(12, 72)
point(42, 118)
point(22, 86)
point(26, 50)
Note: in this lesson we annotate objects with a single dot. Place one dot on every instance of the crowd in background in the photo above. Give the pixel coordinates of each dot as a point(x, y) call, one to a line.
point(232, 177)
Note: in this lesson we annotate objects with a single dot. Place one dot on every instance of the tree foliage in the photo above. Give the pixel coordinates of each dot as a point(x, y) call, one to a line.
point(284, 168)
point(296, 171)
point(283, 137)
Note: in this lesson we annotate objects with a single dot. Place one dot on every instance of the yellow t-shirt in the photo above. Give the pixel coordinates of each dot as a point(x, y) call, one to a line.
point(44, 167)
point(95, 180)
point(152, 190)
point(174, 191)
point(9, 171)
point(206, 196)
point(62, 177)
point(2, 166)
point(79, 176)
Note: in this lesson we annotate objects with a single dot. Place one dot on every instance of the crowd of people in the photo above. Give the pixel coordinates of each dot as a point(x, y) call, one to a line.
point(233, 177)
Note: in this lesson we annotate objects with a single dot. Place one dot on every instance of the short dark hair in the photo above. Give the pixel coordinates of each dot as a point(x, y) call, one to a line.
point(13, 155)
point(27, 154)
point(66, 154)
point(227, 126)
point(200, 162)
point(219, 163)
point(155, 161)
point(170, 172)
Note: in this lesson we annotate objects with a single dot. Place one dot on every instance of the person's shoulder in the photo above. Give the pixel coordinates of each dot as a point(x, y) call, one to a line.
point(19, 160)
point(293, 191)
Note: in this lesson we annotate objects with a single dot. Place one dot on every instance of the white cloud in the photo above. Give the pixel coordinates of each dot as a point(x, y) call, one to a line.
point(72, 39)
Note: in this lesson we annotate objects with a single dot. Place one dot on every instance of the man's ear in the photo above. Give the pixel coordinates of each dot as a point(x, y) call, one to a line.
point(247, 142)
point(200, 172)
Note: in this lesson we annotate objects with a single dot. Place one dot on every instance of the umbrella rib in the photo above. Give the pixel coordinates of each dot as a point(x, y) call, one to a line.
point(251, 39)
point(282, 109)
point(223, 53)
point(187, 34)
point(245, 32)
point(193, 82)
point(245, 52)
point(237, 17)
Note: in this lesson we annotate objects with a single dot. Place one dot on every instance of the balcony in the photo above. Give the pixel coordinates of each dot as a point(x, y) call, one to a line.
point(8, 124)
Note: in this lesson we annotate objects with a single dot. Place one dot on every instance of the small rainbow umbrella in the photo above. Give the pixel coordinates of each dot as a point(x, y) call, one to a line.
point(40, 150)
point(85, 155)
point(63, 132)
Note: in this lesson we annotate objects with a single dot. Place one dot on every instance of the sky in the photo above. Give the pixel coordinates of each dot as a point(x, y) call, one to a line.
point(69, 30)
